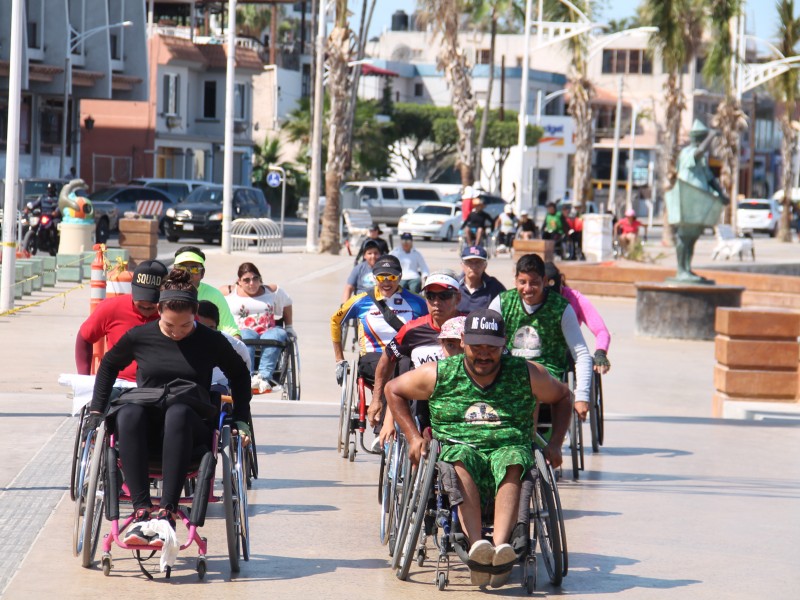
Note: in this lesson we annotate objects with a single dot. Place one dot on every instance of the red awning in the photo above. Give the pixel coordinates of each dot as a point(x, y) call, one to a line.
point(368, 69)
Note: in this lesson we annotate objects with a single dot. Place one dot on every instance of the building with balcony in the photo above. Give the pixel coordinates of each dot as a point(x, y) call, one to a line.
point(107, 63)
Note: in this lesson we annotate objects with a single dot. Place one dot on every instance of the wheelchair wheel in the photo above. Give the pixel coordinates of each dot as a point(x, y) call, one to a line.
point(401, 474)
point(416, 508)
point(241, 483)
point(574, 443)
point(77, 453)
point(291, 383)
point(596, 411)
point(230, 498)
point(344, 397)
point(388, 460)
point(81, 481)
point(546, 528)
point(89, 506)
point(348, 447)
point(251, 458)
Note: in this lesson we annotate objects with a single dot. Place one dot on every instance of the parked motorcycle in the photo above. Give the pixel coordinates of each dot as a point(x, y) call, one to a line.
point(40, 231)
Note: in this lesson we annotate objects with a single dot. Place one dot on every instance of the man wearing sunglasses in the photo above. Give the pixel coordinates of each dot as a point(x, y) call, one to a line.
point(417, 340)
point(380, 312)
point(193, 260)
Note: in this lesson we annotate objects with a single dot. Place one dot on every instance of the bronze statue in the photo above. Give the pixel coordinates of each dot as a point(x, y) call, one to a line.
point(695, 202)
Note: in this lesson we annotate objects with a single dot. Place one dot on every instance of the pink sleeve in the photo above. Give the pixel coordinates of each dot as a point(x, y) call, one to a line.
point(588, 314)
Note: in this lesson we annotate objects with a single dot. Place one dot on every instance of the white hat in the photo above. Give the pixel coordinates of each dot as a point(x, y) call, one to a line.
point(469, 193)
point(524, 213)
point(508, 208)
point(442, 280)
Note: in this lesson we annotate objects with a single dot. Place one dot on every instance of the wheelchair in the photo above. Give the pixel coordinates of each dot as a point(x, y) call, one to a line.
point(353, 413)
point(287, 369)
point(488, 241)
point(394, 477)
point(596, 410)
point(99, 488)
point(427, 513)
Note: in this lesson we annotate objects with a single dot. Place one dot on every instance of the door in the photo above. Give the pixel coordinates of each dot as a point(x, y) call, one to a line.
point(391, 205)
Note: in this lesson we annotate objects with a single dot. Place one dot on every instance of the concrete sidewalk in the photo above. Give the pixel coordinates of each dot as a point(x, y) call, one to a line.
point(676, 505)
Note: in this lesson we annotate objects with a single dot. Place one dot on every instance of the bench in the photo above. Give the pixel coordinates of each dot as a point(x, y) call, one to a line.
point(729, 244)
point(357, 223)
point(544, 248)
point(265, 233)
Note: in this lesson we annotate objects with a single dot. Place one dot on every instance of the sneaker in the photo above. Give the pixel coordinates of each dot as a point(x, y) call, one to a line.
point(259, 385)
point(134, 536)
point(482, 552)
point(255, 379)
point(162, 515)
point(503, 555)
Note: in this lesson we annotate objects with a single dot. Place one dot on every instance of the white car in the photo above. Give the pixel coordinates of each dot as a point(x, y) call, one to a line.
point(757, 214)
point(440, 220)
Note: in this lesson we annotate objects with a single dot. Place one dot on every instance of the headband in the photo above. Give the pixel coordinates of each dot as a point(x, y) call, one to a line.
point(184, 295)
point(189, 257)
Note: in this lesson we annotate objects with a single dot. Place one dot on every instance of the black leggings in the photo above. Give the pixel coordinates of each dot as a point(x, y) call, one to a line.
point(141, 430)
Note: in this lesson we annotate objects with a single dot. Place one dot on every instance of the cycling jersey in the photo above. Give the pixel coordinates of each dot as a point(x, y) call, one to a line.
point(374, 333)
point(418, 339)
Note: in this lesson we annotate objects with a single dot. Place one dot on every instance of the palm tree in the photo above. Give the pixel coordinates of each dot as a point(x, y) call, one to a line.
point(338, 55)
point(728, 118)
point(252, 19)
point(785, 90)
point(680, 27)
point(445, 16)
point(580, 97)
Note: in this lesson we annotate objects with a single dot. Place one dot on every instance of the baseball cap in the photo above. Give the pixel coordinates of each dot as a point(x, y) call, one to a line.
point(146, 282)
point(375, 227)
point(452, 328)
point(387, 264)
point(406, 236)
point(442, 280)
point(370, 244)
point(484, 327)
point(474, 252)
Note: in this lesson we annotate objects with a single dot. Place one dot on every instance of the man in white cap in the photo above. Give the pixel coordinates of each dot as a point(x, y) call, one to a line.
point(417, 339)
point(415, 269)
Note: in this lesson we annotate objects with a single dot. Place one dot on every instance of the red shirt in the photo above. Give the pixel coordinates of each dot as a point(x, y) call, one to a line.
point(626, 226)
point(112, 318)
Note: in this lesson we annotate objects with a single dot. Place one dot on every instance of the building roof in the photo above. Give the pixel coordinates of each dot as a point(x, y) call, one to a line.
point(216, 57)
point(182, 49)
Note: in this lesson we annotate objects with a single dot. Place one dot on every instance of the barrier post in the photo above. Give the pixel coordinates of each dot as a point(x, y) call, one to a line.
point(98, 294)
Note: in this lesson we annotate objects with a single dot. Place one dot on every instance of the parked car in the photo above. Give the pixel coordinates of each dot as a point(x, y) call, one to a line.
point(440, 220)
point(302, 207)
point(111, 204)
point(759, 214)
point(177, 188)
point(200, 215)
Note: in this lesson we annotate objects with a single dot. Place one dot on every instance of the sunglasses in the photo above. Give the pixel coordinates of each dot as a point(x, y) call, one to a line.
point(191, 270)
point(439, 295)
point(251, 279)
point(382, 278)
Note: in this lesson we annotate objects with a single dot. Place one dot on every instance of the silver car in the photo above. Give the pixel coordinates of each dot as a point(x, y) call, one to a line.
point(759, 214)
point(111, 204)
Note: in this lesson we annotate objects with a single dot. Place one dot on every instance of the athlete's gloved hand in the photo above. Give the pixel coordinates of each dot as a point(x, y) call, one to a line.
point(601, 363)
point(341, 371)
point(91, 423)
point(290, 332)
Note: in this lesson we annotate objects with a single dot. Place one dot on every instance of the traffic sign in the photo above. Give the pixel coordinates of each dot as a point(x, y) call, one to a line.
point(273, 179)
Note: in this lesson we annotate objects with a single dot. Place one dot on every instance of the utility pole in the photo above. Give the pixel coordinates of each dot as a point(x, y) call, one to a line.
point(227, 155)
point(612, 190)
point(312, 232)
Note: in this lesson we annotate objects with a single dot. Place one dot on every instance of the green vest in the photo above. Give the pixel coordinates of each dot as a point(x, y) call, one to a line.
point(553, 223)
point(537, 337)
point(498, 416)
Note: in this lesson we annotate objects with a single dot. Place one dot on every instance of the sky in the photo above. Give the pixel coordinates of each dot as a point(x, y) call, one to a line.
point(761, 14)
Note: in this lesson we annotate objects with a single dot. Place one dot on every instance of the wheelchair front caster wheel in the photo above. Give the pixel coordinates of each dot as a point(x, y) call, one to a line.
point(441, 582)
point(106, 564)
point(201, 568)
point(352, 455)
point(421, 555)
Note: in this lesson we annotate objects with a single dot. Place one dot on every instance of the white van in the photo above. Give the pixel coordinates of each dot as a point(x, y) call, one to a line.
point(387, 201)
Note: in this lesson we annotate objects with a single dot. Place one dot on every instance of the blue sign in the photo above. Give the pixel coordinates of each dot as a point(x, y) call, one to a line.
point(273, 179)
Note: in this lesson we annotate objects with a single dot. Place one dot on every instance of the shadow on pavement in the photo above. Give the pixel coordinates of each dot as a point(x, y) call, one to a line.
point(658, 452)
point(594, 574)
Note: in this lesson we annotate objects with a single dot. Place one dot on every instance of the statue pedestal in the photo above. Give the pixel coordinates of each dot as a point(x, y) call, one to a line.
point(75, 237)
point(680, 311)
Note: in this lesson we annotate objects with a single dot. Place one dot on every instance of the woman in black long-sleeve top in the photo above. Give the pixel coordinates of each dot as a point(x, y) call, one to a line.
point(174, 347)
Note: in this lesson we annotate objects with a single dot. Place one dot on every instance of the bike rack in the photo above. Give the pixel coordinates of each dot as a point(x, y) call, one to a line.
point(266, 233)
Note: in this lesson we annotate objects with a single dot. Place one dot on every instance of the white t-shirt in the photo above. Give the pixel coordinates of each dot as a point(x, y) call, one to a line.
point(217, 376)
point(258, 313)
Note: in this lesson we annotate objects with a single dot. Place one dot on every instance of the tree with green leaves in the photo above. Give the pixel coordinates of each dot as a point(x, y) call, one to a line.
point(252, 19)
point(729, 118)
point(680, 29)
point(785, 90)
point(270, 153)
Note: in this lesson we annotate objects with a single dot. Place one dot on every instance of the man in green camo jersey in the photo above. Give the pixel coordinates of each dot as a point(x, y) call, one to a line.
point(481, 406)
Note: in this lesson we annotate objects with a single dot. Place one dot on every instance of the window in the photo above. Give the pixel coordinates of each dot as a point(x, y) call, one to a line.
point(34, 15)
point(419, 90)
point(369, 192)
point(420, 194)
point(482, 57)
point(240, 102)
point(210, 100)
point(631, 62)
point(171, 97)
point(390, 193)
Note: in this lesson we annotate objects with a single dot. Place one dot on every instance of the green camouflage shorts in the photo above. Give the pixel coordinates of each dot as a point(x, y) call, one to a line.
point(488, 468)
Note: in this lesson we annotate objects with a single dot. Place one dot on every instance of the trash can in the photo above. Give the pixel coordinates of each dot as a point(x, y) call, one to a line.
point(598, 237)
point(75, 237)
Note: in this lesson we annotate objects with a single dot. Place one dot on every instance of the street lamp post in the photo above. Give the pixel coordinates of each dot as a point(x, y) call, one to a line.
point(227, 152)
point(316, 134)
point(631, 152)
point(612, 188)
point(73, 44)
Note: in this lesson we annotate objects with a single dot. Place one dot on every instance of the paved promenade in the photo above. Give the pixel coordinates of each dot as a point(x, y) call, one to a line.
point(676, 505)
